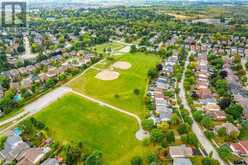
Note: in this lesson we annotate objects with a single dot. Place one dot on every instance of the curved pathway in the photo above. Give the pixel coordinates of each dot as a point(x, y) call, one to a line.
point(207, 145)
point(140, 134)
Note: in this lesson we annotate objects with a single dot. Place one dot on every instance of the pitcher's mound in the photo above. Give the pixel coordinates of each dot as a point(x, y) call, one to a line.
point(122, 65)
point(107, 75)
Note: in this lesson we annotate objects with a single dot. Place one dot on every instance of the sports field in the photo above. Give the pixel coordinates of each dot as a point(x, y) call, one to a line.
point(114, 46)
point(74, 119)
point(120, 91)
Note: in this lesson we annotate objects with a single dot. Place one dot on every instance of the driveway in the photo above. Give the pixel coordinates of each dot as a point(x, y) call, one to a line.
point(207, 145)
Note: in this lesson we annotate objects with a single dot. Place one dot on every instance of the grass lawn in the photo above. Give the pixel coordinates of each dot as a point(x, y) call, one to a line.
point(134, 78)
point(113, 45)
point(73, 118)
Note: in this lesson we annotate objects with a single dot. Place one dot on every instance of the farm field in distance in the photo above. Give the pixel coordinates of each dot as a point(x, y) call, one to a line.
point(74, 119)
point(119, 92)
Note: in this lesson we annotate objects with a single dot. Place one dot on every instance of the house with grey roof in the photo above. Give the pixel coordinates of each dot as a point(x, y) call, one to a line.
point(50, 161)
point(182, 161)
point(13, 147)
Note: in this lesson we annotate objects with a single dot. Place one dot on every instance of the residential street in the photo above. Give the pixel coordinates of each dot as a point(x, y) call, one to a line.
point(195, 127)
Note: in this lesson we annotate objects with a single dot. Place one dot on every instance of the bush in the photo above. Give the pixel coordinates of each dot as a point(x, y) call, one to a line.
point(148, 124)
point(137, 160)
point(136, 91)
point(183, 128)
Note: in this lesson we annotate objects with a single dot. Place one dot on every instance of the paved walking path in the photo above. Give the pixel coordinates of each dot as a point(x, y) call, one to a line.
point(195, 127)
point(140, 134)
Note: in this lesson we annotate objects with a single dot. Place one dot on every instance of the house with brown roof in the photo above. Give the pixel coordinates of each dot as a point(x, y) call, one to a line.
point(27, 83)
point(180, 151)
point(14, 85)
point(216, 115)
point(52, 72)
point(32, 156)
point(211, 107)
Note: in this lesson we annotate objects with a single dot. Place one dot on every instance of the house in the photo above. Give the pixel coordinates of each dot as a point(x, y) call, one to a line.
point(181, 151)
point(240, 147)
point(217, 115)
point(182, 161)
point(50, 161)
point(230, 128)
point(211, 107)
point(13, 146)
point(43, 77)
point(27, 83)
point(32, 156)
point(14, 85)
point(52, 73)
point(203, 93)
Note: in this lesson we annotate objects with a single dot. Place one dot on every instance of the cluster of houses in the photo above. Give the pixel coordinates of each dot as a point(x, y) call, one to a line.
point(234, 45)
point(16, 150)
point(163, 108)
point(238, 91)
point(206, 97)
point(181, 154)
point(24, 77)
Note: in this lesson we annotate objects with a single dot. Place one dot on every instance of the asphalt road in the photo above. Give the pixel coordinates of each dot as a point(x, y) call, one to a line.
point(207, 145)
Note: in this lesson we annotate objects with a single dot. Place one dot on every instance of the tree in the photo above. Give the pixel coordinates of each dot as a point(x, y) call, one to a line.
point(164, 126)
point(133, 49)
point(223, 74)
point(152, 158)
point(170, 137)
point(183, 128)
point(152, 73)
point(157, 135)
point(224, 152)
point(2, 141)
point(137, 160)
point(94, 159)
point(198, 115)
point(209, 134)
point(235, 110)
point(159, 67)
point(221, 131)
point(234, 135)
point(148, 124)
point(224, 102)
point(136, 91)
point(207, 122)
point(174, 119)
point(190, 139)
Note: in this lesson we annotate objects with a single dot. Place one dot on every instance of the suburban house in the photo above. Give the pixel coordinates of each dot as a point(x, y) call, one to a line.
point(50, 161)
point(32, 156)
point(181, 151)
point(216, 115)
point(211, 107)
point(27, 83)
point(13, 147)
point(182, 161)
point(230, 128)
point(240, 147)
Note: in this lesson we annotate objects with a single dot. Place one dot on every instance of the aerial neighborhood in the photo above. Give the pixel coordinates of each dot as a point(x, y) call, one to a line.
point(125, 83)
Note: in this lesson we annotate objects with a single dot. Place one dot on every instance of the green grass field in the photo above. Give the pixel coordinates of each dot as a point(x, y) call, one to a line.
point(74, 119)
point(134, 78)
point(113, 45)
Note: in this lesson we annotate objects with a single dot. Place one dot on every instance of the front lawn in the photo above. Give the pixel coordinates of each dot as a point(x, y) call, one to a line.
point(74, 119)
